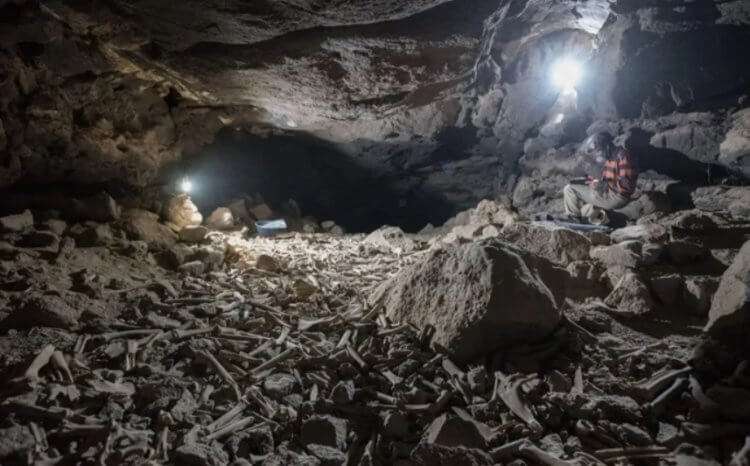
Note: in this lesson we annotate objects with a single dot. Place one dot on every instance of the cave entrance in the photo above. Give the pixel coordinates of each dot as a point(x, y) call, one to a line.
point(326, 183)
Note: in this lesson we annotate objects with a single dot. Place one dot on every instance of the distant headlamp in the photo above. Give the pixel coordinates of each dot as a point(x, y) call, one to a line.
point(566, 74)
point(186, 185)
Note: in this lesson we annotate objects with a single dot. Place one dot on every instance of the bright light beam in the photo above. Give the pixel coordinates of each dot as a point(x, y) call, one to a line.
point(186, 185)
point(566, 74)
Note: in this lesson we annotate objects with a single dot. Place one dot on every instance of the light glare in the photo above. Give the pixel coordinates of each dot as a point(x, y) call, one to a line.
point(186, 185)
point(566, 74)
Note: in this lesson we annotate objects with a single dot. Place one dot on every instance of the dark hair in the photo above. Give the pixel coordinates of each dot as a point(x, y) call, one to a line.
point(602, 141)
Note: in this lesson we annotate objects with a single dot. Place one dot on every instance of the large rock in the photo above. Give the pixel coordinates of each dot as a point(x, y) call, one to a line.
point(556, 244)
point(478, 296)
point(730, 306)
point(734, 151)
point(220, 219)
point(17, 223)
point(631, 296)
point(735, 200)
point(42, 310)
point(144, 225)
point(181, 211)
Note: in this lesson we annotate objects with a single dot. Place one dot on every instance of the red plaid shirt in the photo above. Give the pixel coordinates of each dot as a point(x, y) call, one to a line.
point(620, 173)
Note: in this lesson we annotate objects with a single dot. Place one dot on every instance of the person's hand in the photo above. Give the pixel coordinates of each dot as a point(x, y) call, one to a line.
point(593, 183)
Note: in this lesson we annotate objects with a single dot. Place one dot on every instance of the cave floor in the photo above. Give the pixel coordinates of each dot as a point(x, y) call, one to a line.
point(280, 358)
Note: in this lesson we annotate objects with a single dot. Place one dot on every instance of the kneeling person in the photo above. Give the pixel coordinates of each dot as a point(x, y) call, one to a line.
point(589, 202)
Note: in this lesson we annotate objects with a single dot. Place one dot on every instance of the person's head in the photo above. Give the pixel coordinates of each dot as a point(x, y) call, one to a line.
point(600, 145)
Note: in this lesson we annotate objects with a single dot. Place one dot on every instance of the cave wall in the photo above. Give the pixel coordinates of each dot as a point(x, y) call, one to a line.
point(442, 100)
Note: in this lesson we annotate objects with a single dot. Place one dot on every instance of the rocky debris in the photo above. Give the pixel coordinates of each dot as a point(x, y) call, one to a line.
point(477, 297)
point(730, 306)
point(180, 211)
point(233, 361)
point(17, 223)
point(220, 219)
point(735, 148)
point(92, 234)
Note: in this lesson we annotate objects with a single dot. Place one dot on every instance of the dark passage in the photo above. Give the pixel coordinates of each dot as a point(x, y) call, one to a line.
point(325, 183)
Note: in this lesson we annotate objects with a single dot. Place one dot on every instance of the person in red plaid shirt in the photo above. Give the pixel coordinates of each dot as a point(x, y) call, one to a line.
point(588, 202)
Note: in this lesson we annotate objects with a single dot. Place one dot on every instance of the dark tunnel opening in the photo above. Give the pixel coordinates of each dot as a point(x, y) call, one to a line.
point(326, 183)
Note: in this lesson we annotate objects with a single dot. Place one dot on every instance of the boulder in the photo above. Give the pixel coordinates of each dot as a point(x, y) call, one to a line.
point(193, 234)
point(261, 212)
point(239, 210)
point(734, 200)
point(631, 296)
point(220, 219)
point(478, 296)
point(730, 306)
point(734, 151)
point(624, 254)
point(559, 245)
point(98, 208)
point(17, 223)
point(144, 226)
point(697, 294)
point(181, 211)
point(645, 232)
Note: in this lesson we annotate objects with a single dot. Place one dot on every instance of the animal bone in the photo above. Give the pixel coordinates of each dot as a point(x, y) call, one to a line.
point(58, 359)
point(222, 372)
point(41, 360)
point(509, 390)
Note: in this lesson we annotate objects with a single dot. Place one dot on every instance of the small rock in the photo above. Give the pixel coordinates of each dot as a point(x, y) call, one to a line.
point(668, 434)
point(221, 219)
point(303, 289)
point(15, 441)
point(279, 385)
point(212, 256)
point(324, 430)
point(327, 225)
point(17, 223)
point(261, 212)
point(631, 296)
point(441, 455)
point(625, 254)
point(193, 234)
point(453, 431)
point(266, 262)
point(336, 231)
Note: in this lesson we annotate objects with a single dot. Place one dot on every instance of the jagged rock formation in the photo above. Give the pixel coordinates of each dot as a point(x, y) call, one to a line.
point(450, 98)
